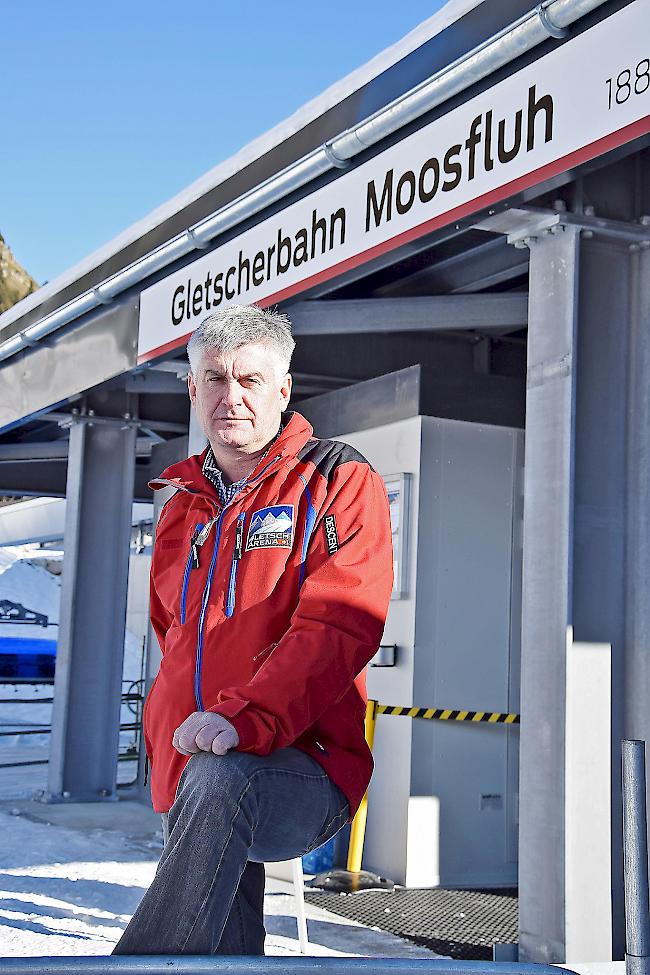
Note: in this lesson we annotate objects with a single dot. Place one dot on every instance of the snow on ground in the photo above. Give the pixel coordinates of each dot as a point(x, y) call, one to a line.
point(62, 893)
point(71, 876)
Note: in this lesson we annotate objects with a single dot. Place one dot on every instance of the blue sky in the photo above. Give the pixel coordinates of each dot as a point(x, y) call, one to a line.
point(110, 109)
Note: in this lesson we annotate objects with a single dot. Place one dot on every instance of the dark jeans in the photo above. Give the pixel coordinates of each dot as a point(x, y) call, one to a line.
point(231, 814)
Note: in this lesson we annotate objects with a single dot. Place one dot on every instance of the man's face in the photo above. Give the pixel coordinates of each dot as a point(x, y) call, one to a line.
point(239, 396)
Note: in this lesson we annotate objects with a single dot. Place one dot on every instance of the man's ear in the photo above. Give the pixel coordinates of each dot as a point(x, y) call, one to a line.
point(285, 390)
point(191, 388)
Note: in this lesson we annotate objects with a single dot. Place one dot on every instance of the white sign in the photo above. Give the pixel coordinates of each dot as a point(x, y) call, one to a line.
point(579, 101)
point(398, 490)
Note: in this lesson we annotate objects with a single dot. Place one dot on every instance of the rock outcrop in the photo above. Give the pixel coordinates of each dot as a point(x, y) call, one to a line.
point(15, 282)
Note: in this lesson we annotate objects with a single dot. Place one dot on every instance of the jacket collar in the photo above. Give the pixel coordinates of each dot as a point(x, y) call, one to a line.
point(187, 475)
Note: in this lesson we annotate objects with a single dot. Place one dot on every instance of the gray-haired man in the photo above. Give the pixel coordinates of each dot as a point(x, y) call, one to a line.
point(271, 575)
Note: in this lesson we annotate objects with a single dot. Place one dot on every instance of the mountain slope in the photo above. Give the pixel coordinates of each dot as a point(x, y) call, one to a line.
point(15, 282)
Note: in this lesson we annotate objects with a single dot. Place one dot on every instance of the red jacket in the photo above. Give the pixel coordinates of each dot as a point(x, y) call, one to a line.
point(267, 610)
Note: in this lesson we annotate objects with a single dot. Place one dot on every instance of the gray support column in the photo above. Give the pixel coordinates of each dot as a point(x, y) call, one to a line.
point(546, 596)
point(602, 571)
point(88, 683)
point(586, 541)
point(637, 657)
point(637, 668)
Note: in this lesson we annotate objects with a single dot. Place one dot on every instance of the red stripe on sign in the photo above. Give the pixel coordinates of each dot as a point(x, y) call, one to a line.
point(598, 148)
point(167, 347)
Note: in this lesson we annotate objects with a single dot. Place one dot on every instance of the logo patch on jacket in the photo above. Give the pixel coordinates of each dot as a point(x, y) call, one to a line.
point(271, 527)
point(331, 534)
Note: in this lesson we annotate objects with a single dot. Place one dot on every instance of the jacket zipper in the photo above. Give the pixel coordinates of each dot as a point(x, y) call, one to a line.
point(236, 557)
point(192, 563)
point(198, 697)
point(265, 651)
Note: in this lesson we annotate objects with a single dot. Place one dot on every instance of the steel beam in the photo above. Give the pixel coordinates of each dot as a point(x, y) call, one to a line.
point(42, 520)
point(637, 669)
point(611, 554)
point(256, 965)
point(636, 675)
point(52, 450)
point(154, 381)
point(86, 710)
point(419, 314)
point(546, 596)
point(47, 479)
point(586, 538)
point(635, 844)
point(471, 270)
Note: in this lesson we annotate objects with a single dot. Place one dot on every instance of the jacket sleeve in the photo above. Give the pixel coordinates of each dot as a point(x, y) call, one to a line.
point(338, 622)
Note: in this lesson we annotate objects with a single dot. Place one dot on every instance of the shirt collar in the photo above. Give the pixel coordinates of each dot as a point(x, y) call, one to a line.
point(214, 474)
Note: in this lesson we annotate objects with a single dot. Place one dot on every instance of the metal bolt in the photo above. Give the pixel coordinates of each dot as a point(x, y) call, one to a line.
point(104, 792)
point(634, 248)
point(644, 245)
point(645, 220)
point(587, 234)
point(66, 795)
point(559, 205)
point(127, 416)
point(589, 211)
point(519, 244)
point(91, 412)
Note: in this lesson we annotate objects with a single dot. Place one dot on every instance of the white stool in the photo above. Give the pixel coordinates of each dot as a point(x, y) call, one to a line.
point(299, 896)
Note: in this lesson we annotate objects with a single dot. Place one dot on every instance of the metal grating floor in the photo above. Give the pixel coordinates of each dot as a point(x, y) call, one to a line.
point(463, 924)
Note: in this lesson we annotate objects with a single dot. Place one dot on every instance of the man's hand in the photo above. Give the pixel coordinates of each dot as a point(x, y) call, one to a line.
point(205, 731)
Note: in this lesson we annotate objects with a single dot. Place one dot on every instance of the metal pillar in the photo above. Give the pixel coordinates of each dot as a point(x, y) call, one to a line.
point(635, 844)
point(546, 596)
point(88, 682)
point(586, 539)
point(637, 662)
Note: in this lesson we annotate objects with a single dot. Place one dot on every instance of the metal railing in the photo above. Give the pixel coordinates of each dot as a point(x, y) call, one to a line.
point(260, 965)
point(635, 859)
point(130, 698)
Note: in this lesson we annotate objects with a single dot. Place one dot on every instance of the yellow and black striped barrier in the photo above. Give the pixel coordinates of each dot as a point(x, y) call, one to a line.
point(442, 714)
point(373, 708)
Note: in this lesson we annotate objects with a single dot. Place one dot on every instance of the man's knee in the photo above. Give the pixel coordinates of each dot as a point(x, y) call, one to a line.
point(214, 778)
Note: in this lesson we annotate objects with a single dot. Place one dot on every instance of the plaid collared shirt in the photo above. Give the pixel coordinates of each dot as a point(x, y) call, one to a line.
point(226, 492)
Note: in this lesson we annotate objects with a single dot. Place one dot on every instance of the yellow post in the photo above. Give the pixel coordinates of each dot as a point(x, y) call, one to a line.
point(358, 828)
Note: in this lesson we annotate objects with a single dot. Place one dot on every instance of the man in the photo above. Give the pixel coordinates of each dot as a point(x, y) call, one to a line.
point(270, 582)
